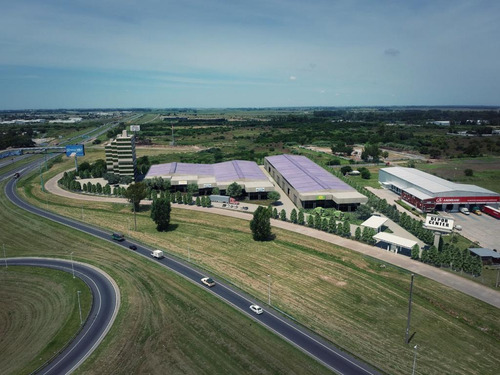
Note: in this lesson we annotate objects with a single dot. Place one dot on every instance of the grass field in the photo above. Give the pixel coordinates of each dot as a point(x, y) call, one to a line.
point(165, 323)
point(486, 171)
point(347, 298)
point(38, 315)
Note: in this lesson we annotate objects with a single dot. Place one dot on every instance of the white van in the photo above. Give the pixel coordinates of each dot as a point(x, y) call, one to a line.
point(465, 210)
point(158, 254)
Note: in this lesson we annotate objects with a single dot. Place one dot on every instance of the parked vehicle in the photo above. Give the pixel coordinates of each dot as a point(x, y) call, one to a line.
point(465, 210)
point(118, 237)
point(458, 227)
point(256, 309)
point(208, 281)
point(492, 211)
point(158, 254)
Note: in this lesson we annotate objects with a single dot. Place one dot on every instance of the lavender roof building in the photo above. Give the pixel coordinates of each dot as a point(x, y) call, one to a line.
point(246, 173)
point(308, 185)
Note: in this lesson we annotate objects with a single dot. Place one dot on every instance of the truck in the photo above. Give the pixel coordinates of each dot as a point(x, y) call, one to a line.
point(158, 254)
point(492, 211)
point(219, 198)
point(118, 237)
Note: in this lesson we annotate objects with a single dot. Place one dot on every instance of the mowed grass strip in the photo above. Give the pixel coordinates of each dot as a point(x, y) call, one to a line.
point(350, 299)
point(38, 315)
point(166, 324)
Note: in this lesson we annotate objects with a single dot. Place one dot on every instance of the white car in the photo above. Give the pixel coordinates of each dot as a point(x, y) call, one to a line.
point(256, 309)
point(465, 211)
point(208, 281)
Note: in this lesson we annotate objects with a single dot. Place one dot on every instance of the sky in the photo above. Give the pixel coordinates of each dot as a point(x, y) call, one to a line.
point(259, 53)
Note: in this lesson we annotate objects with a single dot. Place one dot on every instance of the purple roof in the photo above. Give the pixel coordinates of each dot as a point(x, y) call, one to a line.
point(226, 171)
point(305, 175)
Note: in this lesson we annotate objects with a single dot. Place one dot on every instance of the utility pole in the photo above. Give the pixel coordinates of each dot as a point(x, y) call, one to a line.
point(407, 337)
point(498, 277)
point(414, 360)
point(189, 254)
point(41, 178)
point(4, 256)
point(80, 307)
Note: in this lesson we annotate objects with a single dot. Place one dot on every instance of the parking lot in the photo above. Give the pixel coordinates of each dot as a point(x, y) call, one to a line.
point(483, 229)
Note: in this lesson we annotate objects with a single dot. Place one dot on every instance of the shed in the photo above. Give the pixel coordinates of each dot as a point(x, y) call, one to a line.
point(395, 243)
point(487, 256)
point(374, 222)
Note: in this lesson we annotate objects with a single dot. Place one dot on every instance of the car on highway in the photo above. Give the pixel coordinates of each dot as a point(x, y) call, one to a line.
point(118, 237)
point(256, 309)
point(132, 247)
point(208, 281)
point(464, 210)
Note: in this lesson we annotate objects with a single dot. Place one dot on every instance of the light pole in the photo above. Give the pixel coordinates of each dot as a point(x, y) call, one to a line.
point(407, 336)
point(414, 360)
point(189, 254)
point(4, 256)
point(79, 307)
point(269, 290)
point(72, 267)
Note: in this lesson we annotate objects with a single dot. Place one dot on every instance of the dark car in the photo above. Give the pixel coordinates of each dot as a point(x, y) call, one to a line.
point(132, 247)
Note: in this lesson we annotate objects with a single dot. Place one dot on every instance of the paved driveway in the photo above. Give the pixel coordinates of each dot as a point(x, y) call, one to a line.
point(483, 229)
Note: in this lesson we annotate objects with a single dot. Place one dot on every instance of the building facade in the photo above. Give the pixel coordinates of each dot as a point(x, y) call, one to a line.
point(428, 192)
point(309, 186)
point(120, 155)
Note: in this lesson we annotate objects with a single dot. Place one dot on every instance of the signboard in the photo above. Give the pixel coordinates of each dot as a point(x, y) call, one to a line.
point(440, 223)
point(476, 200)
point(207, 185)
point(320, 198)
point(77, 150)
point(135, 128)
point(258, 190)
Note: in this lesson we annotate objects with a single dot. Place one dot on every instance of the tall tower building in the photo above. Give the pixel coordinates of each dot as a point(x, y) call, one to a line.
point(120, 155)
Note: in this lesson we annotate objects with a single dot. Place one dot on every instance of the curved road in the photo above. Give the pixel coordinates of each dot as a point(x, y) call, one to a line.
point(308, 342)
point(106, 300)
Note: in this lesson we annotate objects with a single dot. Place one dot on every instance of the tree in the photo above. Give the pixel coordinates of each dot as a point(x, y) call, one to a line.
point(134, 194)
point(216, 191)
point(274, 196)
point(234, 190)
point(346, 169)
point(317, 221)
point(434, 255)
point(192, 188)
point(275, 213)
point(178, 197)
point(300, 219)
point(260, 225)
point(160, 213)
point(363, 212)
point(283, 215)
point(357, 234)
point(332, 226)
point(310, 221)
point(293, 216)
point(324, 224)
point(198, 203)
point(365, 174)
point(346, 230)
point(415, 252)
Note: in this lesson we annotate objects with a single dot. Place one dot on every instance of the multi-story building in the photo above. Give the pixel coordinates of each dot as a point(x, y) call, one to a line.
point(120, 155)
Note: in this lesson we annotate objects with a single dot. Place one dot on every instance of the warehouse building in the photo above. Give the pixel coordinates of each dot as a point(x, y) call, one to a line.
point(309, 186)
point(247, 174)
point(428, 192)
point(120, 155)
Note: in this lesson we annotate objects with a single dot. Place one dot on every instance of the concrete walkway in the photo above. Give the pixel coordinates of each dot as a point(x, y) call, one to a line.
point(453, 281)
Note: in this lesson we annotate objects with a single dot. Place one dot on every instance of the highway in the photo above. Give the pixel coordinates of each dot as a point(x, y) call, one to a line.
point(332, 357)
point(105, 303)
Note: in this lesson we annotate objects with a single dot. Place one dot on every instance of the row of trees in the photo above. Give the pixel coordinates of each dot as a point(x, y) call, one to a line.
point(450, 257)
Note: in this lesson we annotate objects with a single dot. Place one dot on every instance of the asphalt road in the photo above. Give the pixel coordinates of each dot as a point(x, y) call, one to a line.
point(308, 342)
point(105, 297)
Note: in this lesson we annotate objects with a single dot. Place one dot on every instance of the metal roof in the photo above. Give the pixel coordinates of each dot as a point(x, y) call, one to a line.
point(374, 222)
point(482, 252)
point(396, 240)
point(230, 171)
point(433, 183)
point(305, 175)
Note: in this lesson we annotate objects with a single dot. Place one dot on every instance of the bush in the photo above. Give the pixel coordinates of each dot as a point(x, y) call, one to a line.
point(469, 172)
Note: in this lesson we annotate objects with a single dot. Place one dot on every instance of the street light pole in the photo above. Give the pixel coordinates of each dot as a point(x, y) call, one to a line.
point(269, 290)
point(80, 307)
point(414, 360)
point(72, 267)
point(407, 337)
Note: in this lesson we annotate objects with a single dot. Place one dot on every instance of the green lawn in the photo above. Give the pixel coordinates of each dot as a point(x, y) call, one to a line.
point(347, 298)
